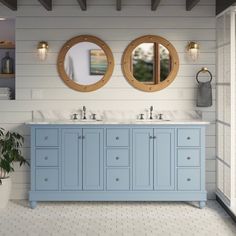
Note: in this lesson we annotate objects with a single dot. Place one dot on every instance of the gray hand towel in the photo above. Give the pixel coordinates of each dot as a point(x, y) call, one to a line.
point(204, 94)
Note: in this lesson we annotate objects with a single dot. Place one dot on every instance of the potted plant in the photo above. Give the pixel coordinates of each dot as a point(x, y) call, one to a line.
point(10, 152)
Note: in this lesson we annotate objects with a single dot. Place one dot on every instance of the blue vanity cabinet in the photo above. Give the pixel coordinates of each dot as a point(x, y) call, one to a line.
point(92, 159)
point(71, 155)
point(164, 159)
point(142, 153)
point(117, 162)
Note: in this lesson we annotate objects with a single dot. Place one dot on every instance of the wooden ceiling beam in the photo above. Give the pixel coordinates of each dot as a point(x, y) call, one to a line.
point(47, 4)
point(190, 4)
point(118, 5)
point(82, 4)
point(12, 4)
point(155, 4)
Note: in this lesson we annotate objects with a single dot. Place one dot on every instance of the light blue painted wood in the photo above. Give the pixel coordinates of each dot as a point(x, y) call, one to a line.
point(164, 168)
point(189, 179)
point(188, 157)
point(46, 157)
point(118, 157)
point(117, 137)
point(142, 159)
point(147, 176)
point(71, 159)
point(93, 159)
point(118, 179)
point(189, 137)
point(47, 179)
point(46, 137)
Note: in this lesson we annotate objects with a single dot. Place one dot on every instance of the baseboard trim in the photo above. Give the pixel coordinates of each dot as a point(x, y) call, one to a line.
point(230, 213)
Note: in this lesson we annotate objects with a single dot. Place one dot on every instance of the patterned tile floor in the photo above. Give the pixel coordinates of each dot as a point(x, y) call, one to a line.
point(105, 218)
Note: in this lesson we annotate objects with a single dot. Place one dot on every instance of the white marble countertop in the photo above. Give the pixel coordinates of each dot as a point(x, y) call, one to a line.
point(117, 122)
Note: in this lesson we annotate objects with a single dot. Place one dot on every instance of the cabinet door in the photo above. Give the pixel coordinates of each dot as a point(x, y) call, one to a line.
point(142, 159)
point(71, 159)
point(92, 159)
point(164, 159)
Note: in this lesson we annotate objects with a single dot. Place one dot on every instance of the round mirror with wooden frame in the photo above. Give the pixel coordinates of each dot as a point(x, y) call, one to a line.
point(85, 63)
point(150, 63)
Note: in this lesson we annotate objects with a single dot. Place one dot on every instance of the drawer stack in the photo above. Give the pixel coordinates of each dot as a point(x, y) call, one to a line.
point(188, 159)
point(46, 159)
point(117, 159)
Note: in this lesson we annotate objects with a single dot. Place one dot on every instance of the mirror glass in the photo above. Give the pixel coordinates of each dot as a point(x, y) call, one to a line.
point(85, 63)
point(151, 63)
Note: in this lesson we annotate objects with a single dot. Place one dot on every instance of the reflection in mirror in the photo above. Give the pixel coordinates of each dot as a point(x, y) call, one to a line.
point(85, 63)
point(150, 63)
point(143, 62)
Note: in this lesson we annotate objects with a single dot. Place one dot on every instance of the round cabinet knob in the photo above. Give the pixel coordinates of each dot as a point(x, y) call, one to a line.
point(117, 138)
point(188, 138)
point(117, 179)
point(46, 179)
point(46, 138)
point(117, 158)
point(188, 179)
point(188, 158)
point(154, 137)
point(46, 158)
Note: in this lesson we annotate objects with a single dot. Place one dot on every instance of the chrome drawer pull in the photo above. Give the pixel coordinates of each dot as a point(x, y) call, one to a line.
point(117, 158)
point(151, 137)
point(79, 137)
point(154, 137)
point(83, 137)
point(117, 179)
point(188, 179)
point(46, 138)
point(45, 158)
point(188, 138)
point(188, 158)
point(46, 179)
point(117, 138)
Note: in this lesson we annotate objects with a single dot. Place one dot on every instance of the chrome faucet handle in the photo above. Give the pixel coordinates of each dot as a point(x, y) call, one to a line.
point(75, 116)
point(160, 116)
point(141, 116)
point(94, 116)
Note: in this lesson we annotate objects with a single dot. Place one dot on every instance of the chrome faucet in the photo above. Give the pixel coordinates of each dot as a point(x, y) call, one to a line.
point(151, 110)
point(84, 113)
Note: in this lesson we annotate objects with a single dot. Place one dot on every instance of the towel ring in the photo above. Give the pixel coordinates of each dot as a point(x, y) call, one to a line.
point(204, 70)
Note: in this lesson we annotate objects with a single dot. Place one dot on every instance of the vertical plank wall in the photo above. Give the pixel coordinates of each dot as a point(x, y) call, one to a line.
point(39, 87)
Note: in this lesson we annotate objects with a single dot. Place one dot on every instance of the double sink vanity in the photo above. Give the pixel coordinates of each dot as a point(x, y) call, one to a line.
point(139, 160)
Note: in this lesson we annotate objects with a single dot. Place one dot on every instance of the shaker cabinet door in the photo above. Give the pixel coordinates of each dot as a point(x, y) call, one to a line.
point(71, 159)
point(92, 159)
point(164, 159)
point(142, 159)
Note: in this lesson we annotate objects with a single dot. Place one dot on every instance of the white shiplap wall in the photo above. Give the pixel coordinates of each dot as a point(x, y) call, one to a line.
point(39, 87)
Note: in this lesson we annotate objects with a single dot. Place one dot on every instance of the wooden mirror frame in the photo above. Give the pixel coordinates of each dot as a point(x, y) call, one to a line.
point(61, 58)
point(126, 63)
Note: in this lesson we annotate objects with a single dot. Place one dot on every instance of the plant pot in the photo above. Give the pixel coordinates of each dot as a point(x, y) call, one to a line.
point(5, 191)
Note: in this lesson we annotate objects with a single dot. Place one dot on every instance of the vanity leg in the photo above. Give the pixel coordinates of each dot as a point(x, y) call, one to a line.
point(33, 204)
point(202, 204)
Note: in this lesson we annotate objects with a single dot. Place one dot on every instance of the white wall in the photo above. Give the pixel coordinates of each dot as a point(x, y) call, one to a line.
point(38, 84)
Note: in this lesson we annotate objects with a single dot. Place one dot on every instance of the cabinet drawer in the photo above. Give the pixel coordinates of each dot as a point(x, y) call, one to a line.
point(46, 137)
point(46, 179)
point(46, 157)
point(118, 157)
point(117, 137)
point(189, 179)
point(189, 157)
point(118, 179)
point(189, 137)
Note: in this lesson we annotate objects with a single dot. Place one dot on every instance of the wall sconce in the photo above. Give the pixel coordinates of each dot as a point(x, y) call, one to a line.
point(193, 50)
point(42, 50)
